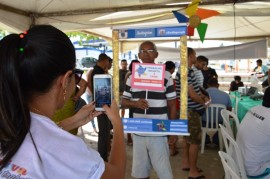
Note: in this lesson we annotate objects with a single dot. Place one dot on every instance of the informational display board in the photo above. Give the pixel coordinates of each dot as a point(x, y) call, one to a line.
point(151, 77)
point(155, 126)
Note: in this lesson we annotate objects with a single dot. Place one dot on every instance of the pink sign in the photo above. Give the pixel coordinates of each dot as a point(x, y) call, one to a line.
point(148, 76)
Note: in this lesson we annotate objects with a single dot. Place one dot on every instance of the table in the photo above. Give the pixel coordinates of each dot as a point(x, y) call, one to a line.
point(244, 103)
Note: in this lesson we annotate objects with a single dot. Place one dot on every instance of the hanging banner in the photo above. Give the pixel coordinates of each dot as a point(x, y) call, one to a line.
point(174, 31)
point(148, 76)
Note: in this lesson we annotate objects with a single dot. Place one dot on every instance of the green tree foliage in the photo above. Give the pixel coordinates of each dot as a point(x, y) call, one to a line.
point(81, 36)
point(3, 33)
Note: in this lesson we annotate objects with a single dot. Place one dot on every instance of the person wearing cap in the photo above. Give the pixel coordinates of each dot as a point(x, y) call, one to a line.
point(253, 139)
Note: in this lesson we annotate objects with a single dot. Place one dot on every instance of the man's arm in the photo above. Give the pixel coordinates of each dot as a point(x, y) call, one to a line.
point(265, 70)
point(171, 109)
point(82, 87)
point(126, 99)
point(89, 81)
point(194, 96)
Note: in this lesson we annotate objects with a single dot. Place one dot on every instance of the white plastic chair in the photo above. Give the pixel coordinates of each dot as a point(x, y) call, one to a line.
point(233, 150)
point(236, 100)
point(228, 118)
point(233, 99)
point(212, 115)
point(229, 166)
point(236, 106)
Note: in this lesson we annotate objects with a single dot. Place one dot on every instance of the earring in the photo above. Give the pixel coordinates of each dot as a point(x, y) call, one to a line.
point(65, 92)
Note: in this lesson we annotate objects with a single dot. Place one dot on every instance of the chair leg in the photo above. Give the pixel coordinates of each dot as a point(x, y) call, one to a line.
point(220, 140)
point(203, 141)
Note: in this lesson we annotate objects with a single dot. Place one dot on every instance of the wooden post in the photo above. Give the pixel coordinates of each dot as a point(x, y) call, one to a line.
point(115, 45)
point(184, 77)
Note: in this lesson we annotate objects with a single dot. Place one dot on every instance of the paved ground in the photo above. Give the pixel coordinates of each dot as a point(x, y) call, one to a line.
point(209, 162)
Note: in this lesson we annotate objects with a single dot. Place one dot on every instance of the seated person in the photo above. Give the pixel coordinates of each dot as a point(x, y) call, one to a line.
point(236, 83)
point(265, 83)
point(261, 70)
point(255, 145)
point(217, 97)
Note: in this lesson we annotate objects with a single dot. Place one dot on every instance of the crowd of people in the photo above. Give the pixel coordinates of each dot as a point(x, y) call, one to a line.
point(41, 112)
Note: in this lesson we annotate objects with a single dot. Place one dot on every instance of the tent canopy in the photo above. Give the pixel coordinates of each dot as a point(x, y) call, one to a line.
point(250, 50)
point(244, 20)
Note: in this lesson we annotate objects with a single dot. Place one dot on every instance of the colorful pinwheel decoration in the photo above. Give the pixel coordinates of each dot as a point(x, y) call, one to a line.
point(195, 15)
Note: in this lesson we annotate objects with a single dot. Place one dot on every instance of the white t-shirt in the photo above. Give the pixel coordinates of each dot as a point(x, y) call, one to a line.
point(63, 155)
point(253, 139)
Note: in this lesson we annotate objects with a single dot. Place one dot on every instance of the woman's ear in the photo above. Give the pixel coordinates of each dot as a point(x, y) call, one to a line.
point(66, 79)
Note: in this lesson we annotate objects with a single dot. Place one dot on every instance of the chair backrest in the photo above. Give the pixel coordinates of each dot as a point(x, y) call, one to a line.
point(229, 166)
point(233, 150)
point(235, 100)
point(236, 106)
point(226, 121)
point(212, 115)
point(229, 117)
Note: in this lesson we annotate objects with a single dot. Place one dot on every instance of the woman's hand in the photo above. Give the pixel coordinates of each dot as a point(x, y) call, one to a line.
point(112, 112)
point(86, 114)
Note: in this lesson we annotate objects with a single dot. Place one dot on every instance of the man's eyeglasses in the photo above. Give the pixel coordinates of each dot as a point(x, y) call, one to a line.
point(147, 51)
point(78, 75)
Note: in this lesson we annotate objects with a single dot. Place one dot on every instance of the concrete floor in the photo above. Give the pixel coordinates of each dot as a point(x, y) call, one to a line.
point(209, 162)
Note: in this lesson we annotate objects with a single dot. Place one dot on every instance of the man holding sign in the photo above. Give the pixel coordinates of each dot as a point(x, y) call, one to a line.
point(151, 101)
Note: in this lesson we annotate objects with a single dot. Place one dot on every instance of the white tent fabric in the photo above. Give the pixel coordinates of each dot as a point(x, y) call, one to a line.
point(243, 21)
point(99, 17)
point(251, 50)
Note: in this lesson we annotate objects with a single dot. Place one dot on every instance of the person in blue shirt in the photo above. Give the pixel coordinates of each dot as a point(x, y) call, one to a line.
point(261, 69)
point(217, 97)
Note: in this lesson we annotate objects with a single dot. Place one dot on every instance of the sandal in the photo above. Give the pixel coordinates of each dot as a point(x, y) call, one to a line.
point(187, 169)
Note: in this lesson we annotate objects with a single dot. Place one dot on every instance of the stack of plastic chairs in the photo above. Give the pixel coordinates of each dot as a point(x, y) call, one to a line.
point(230, 121)
point(234, 152)
point(229, 166)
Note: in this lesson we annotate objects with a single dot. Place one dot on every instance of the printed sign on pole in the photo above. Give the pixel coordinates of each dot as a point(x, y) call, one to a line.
point(148, 76)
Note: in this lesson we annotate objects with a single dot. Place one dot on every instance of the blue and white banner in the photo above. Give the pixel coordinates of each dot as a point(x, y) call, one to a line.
point(155, 126)
point(174, 31)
